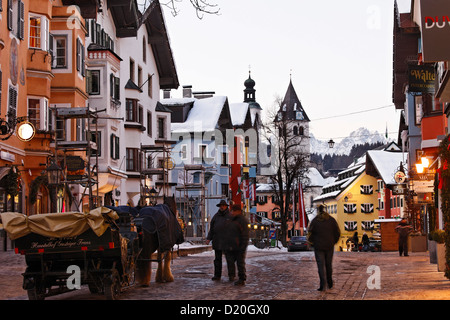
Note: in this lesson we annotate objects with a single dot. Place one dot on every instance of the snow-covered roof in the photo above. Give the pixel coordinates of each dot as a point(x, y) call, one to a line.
point(316, 179)
point(177, 101)
point(203, 117)
point(386, 163)
point(238, 113)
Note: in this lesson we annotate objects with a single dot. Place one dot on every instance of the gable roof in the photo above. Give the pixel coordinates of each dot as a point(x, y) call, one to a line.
point(383, 164)
point(206, 115)
point(241, 115)
point(291, 108)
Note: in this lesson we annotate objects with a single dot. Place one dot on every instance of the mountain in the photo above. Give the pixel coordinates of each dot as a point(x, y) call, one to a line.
point(359, 136)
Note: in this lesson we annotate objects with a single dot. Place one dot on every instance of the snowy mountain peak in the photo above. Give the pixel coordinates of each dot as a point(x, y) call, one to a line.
point(359, 136)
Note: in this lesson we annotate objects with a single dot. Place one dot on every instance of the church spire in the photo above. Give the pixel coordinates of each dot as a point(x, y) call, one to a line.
point(249, 92)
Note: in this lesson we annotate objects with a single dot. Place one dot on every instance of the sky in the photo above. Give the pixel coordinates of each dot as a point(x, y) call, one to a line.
point(337, 53)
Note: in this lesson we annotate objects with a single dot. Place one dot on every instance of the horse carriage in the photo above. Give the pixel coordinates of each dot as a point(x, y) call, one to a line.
point(107, 249)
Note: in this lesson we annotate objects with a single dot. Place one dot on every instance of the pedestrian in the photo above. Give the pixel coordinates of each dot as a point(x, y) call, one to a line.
point(403, 230)
point(217, 231)
point(324, 233)
point(365, 241)
point(237, 241)
point(355, 240)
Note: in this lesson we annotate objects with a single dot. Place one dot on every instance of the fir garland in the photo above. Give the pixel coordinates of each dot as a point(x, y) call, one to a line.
point(444, 178)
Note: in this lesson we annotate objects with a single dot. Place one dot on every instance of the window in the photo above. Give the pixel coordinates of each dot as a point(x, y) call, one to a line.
point(300, 131)
point(139, 77)
point(380, 204)
point(93, 82)
point(350, 225)
point(114, 90)
point(59, 51)
point(161, 128)
point(132, 112)
point(225, 190)
point(183, 152)
point(366, 189)
point(295, 131)
point(115, 150)
point(418, 101)
point(39, 33)
point(367, 225)
point(144, 50)
point(12, 102)
point(132, 159)
point(96, 136)
point(350, 208)
point(132, 70)
point(38, 113)
point(80, 58)
point(16, 21)
point(202, 152)
point(366, 207)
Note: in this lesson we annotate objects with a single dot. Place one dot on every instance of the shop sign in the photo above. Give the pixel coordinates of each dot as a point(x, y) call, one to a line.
point(399, 190)
point(435, 28)
point(421, 78)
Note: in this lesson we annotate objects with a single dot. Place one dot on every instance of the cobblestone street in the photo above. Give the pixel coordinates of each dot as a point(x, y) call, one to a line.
point(272, 275)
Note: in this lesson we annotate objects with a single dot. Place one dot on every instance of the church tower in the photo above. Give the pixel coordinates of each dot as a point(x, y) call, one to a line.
point(250, 98)
point(292, 113)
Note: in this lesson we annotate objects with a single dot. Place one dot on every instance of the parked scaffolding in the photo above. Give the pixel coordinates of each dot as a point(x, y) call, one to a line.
point(193, 197)
point(157, 162)
point(70, 153)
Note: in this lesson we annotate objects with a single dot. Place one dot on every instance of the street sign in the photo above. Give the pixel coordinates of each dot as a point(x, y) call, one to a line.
point(272, 234)
point(400, 177)
point(399, 189)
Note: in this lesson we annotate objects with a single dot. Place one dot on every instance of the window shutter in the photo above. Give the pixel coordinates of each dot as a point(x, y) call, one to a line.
point(10, 15)
point(83, 63)
point(21, 22)
point(111, 85)
point(51, 48)
point(117, 153)
point(111, 146)
point(117, 88)
point(78, 54)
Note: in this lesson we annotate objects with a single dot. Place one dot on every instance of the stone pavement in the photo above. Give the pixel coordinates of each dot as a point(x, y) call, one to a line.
point(272, 274)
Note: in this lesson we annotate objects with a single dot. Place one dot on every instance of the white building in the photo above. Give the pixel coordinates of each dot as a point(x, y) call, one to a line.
point(129, 60)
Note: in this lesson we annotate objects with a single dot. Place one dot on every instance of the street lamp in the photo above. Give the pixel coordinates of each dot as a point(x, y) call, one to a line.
point(25, 131)
point(331, 144)
point(153, 194)
point(54, 173)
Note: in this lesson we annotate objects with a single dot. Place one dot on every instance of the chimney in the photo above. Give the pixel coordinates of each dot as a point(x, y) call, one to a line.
point(166, 94)
point(187, 91)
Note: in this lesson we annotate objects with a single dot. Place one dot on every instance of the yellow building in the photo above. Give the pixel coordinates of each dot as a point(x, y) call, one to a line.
point(352, 200)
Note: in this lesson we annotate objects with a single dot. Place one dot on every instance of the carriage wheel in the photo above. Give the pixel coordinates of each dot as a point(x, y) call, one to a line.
point(36, 293)
point(112, 286)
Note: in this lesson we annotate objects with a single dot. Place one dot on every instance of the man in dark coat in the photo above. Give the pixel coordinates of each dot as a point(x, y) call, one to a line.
point(324, 233)
point(236, 243)
point(219, 225)
point(403, 230)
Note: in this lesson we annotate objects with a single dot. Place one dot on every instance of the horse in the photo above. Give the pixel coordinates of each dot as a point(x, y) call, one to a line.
point(159, 231)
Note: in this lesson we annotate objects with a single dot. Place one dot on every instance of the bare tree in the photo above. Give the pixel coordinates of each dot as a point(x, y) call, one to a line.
point(290, 162)
point(201, 6)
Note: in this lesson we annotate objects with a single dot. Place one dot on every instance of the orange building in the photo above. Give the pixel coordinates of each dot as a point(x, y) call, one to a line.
point(42, 67)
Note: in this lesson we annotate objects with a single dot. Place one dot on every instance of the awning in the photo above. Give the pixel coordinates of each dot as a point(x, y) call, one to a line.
point(108, 181)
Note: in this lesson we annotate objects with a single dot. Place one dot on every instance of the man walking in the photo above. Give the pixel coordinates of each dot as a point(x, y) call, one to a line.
point(219, 224)
point(324, 233)
point(236, 245)
point(403, 230)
